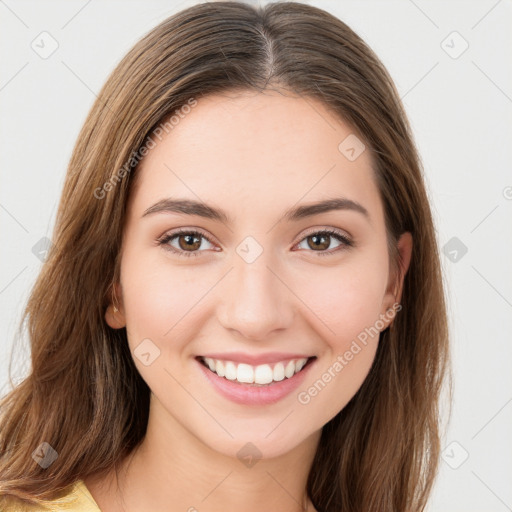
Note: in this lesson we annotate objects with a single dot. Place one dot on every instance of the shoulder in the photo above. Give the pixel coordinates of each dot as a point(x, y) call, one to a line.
point(78, 499)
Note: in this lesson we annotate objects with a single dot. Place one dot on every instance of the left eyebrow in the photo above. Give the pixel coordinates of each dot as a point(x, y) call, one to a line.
point(192, 207)
point(339, 203)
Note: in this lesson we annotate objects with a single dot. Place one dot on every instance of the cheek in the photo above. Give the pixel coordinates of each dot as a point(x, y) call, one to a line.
point(158, 298)
point(347, 353)
point(148, 306)
point(161, 305)
point(344, 300)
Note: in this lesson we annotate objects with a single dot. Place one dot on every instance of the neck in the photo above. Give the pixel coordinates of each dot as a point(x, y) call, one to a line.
point(172, 470)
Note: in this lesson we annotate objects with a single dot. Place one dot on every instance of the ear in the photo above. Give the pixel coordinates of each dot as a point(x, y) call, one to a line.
point(395, 285)
point(116, 319)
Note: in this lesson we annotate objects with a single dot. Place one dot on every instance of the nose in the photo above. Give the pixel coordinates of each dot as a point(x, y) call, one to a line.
point(256, 301)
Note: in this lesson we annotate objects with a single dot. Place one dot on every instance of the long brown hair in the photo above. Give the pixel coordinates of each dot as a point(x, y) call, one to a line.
point(84, 396)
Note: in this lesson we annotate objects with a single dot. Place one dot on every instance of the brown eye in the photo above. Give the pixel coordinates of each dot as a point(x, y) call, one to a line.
point(189, 242)
point(321, 240)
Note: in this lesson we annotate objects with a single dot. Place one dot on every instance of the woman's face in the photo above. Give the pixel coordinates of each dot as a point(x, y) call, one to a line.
point(254, 285)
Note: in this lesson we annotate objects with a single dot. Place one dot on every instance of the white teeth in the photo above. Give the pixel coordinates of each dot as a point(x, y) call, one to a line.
point(219, 369)
point(245, 373)
point(210, 362)
point(300, 364)
point(290, 369)
point(261, 374)
point(230, 371)
point(279, 371)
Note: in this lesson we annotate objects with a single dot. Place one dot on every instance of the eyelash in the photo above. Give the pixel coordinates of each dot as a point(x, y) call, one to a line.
point(164, 241)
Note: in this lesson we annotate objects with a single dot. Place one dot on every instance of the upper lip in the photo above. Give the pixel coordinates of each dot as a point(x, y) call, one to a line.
point(254, 360)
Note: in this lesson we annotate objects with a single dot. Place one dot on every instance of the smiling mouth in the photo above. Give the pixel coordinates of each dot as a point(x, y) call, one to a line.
point(260, 375)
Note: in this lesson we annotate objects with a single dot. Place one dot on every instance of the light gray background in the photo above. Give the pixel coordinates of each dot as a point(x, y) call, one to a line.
point(460, 109)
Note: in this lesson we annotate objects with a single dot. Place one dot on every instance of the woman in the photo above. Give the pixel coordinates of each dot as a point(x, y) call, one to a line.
point(243, 307)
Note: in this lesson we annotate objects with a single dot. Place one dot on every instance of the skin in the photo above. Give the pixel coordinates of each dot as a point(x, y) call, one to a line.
point(254, 155)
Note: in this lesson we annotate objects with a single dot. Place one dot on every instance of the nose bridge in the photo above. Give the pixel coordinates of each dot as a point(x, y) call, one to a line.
point(256, 302)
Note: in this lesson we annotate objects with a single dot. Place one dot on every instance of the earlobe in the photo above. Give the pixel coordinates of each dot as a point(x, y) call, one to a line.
point(114, 319)
point(114, 315)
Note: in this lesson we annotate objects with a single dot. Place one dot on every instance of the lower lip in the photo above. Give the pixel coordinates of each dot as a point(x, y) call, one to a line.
point(255, 395)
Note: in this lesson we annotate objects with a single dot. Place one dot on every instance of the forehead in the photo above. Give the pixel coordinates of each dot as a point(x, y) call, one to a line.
point(253, 150)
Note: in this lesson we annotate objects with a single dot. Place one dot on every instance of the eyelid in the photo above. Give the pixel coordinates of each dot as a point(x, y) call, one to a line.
point(323, 229)
point(185, 231)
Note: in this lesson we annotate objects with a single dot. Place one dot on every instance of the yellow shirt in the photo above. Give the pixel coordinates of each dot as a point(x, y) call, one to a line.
point(79, 499)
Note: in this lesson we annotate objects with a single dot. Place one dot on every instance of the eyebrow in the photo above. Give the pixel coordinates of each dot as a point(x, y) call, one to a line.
point(192, 207)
